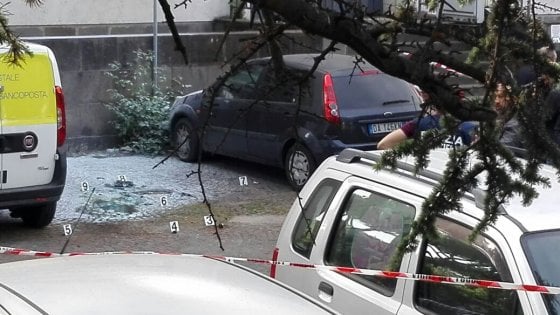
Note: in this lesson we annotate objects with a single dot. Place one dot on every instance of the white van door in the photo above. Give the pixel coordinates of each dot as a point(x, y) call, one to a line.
point(28, 121)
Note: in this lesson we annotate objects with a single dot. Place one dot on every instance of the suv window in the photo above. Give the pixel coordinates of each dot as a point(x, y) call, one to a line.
point(453, 255)
point(243, 83)
point(368, 231)
point(312, 216)
point(544, 263)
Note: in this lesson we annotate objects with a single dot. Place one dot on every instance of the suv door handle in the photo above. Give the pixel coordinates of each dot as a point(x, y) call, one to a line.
point(326, 292)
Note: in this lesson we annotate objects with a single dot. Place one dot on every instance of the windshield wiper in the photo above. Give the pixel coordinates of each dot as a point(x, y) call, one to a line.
point(395, 102)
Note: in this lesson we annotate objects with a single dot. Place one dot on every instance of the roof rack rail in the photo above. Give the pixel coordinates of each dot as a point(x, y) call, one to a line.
point(517, 151)
point(351, 155)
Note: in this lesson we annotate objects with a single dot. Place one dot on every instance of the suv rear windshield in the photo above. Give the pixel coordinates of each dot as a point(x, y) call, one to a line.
point(375, 90)
point(541, 251)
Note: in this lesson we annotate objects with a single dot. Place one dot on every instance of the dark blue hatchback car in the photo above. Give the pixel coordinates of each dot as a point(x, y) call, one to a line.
point(292, 118)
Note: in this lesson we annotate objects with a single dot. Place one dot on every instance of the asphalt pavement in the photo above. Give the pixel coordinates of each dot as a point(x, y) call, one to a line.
point(114, 202)
point(110, 186)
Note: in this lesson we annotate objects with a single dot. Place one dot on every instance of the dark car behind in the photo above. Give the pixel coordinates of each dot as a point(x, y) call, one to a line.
point(292, 118)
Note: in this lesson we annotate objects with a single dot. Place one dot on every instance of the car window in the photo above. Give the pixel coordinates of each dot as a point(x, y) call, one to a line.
point(243, 83)
point(541, 249)
point(281, 86)
point(453, 255)
point(368, 231)
point(375, 90)
point(312, 216)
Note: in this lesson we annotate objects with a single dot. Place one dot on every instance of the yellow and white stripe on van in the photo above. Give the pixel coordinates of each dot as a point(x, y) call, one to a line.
point(28, 119)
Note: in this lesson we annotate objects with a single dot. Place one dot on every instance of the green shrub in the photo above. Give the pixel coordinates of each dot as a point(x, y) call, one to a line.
point(141, 110)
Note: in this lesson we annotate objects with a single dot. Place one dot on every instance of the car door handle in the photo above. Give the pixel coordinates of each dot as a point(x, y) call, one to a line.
point(28, 155)
point(326, 292)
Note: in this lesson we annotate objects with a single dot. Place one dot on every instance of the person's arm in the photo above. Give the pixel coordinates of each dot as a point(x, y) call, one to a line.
point(392, 139)
point(397, 136)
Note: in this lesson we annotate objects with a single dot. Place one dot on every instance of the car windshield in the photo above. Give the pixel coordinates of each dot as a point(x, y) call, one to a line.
point(374, 90)
point(540, 249)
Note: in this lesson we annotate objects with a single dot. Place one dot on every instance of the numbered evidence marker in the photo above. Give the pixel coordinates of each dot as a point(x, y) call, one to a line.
point(243, 181)
point(163, 201)
point(174, 226)
point(84, 186)
point(208, 220)
point(67, 229)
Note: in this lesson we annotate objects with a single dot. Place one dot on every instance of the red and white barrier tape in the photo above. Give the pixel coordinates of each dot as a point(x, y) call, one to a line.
point(439, 66)
point(369, 272)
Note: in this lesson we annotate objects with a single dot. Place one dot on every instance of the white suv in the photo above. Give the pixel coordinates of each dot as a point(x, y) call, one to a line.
point(355, 216)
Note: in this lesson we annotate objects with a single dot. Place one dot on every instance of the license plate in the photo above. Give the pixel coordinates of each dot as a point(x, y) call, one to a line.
point(384, 127)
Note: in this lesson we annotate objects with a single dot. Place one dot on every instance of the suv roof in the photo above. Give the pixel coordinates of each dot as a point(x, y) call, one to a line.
point(537, 218)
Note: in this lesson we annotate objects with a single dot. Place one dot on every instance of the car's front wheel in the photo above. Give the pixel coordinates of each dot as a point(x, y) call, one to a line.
point(185, 140)
point(299, 165)
point(36, 216)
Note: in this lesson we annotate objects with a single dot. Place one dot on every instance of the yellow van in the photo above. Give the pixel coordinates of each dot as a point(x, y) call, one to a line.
point(32, 135)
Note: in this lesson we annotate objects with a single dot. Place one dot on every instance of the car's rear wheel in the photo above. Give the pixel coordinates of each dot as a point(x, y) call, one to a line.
point(37, 216)
point(299, 165)
point(185, 140)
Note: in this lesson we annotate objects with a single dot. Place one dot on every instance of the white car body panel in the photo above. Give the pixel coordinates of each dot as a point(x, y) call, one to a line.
point(35, 167)
point(148, 284)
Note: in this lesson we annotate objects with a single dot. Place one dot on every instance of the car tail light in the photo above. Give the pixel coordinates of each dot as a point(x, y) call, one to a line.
point(60, 117)
point(330, 107)
point(273, 266)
